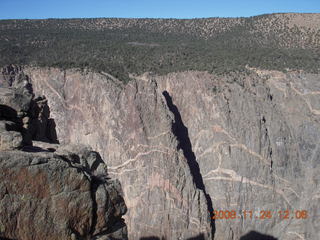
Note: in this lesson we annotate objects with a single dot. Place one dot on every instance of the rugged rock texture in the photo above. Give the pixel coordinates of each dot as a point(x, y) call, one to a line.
point(14, 106)
point(22, 112)
point(256, 139)
point(248, 142)
point(50, 191)
point(135, 124)
point(62, 195)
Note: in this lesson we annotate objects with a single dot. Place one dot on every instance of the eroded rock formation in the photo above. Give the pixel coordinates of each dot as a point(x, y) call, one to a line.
point(248, 141)
point(61, 195)
point(135, 124)
point(47, 190)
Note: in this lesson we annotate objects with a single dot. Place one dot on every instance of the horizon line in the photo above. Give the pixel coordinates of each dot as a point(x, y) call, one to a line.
point(175, 18)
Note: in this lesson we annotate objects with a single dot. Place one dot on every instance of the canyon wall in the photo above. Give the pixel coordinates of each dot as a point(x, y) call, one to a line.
point(185, 144)
point(50, 191)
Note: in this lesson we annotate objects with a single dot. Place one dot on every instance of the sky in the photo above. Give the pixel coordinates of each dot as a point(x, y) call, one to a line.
point(35, 9)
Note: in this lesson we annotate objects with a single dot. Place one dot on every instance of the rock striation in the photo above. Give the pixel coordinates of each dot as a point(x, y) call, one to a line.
point(47, 190)
point(185, 144)
point(243, 141)
point(256, 139)
point(135, 123)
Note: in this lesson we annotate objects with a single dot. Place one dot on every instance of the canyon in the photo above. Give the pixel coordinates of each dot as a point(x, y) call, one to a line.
point(160, 129)
point(185, 144)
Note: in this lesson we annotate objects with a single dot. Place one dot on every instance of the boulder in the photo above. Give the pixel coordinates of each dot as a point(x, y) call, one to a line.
point(45, 195)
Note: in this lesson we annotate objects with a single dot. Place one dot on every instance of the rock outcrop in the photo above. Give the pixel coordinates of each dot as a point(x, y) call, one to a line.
point(25, 116)
point(245, 142)
point(47, 190)
point(135, 124)
point(61, 195)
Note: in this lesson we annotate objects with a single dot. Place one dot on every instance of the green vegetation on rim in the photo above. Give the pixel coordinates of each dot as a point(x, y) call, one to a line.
point(123, 46)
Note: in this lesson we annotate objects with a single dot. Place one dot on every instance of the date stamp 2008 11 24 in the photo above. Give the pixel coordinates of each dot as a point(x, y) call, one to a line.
point(260, 215)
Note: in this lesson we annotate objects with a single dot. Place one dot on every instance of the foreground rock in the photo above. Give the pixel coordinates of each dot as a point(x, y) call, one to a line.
point(47, 190)
point(63, 195)
point(23, 117)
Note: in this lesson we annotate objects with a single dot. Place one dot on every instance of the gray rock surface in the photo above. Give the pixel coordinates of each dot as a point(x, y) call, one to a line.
point(14, 106)
point(256, 139)
point(249, 141)
point(59, 195)
point(10, 140)
point(29, 113)
point(135, 124)
point(51, 191)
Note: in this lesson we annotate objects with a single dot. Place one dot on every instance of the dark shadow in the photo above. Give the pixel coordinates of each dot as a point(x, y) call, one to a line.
point(12, 126)
point(253, 235)
point(181, 132)
point(151, 238)
point(51, 131)
point(199, 237)
point(34, 149)
point(10, 116)
point(51, 149)
point(8, 113)
point(43, 128)
point(184, 143)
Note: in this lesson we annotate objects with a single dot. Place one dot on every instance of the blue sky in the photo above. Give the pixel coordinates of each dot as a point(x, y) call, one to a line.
point(16, 9)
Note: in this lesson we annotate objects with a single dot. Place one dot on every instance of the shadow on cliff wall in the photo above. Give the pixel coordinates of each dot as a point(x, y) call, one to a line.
point(199, 237)
point(40, 128)
point(7, 113)
point(52, 132)
point(43, 128)
point(184, 143)
point(253, 235)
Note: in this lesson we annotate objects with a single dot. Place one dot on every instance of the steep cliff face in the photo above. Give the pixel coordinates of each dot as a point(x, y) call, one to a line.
point(47, 190)
point(256, 140)
point(134, 123)
point(178, 142)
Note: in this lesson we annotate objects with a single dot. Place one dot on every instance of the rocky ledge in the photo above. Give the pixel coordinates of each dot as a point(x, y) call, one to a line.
point(47, 190)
